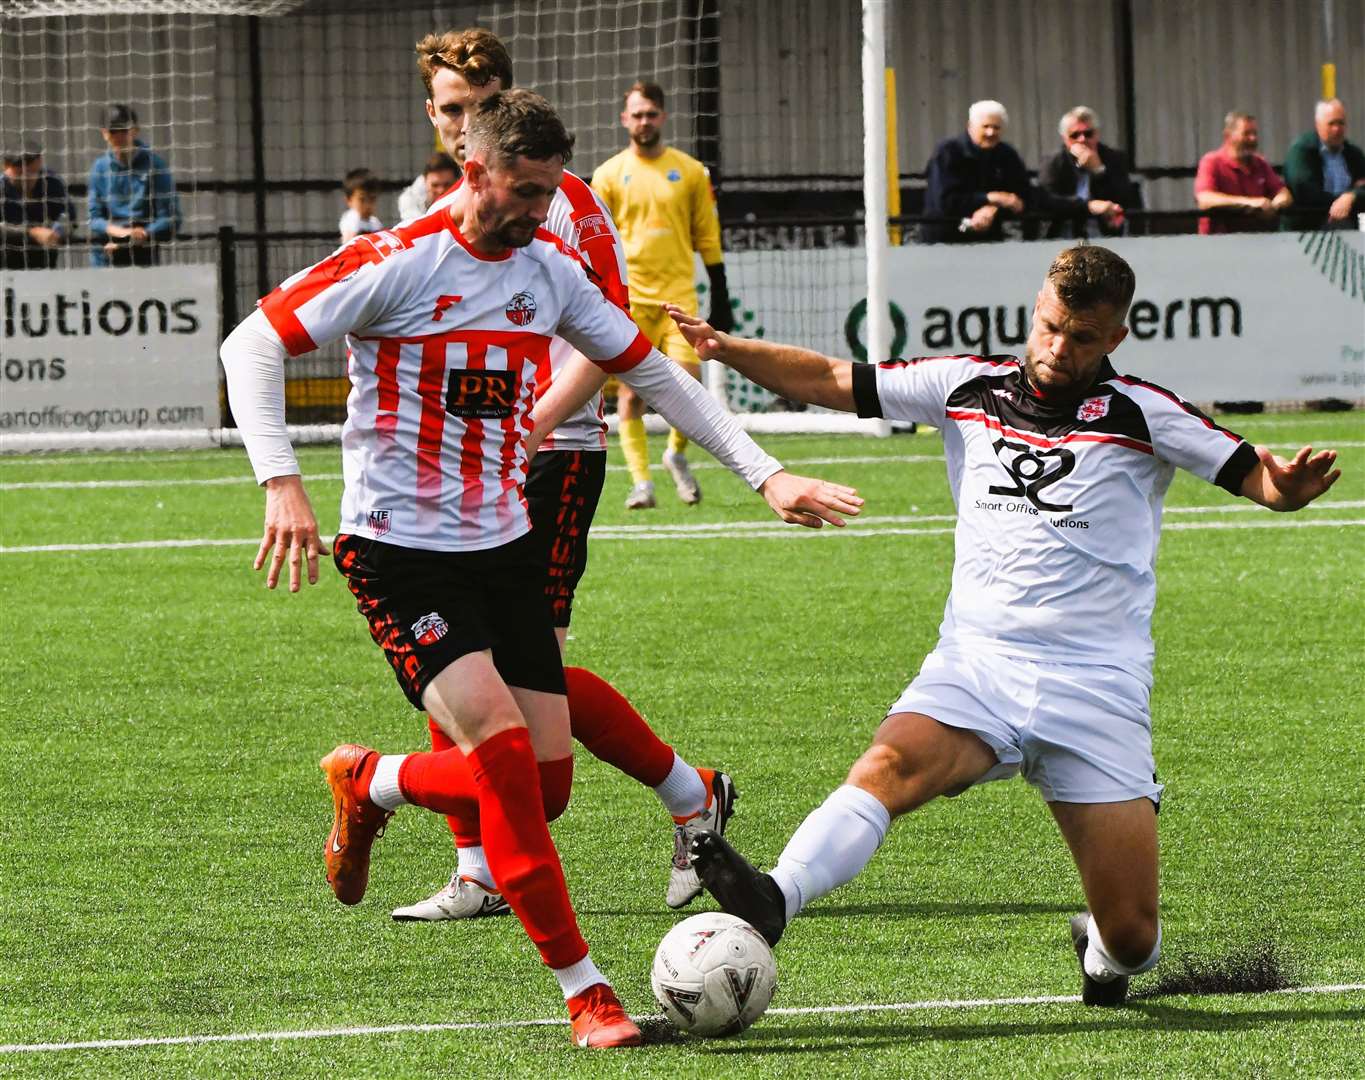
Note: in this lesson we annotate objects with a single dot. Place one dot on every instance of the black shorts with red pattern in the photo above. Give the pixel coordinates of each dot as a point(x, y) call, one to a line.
point(562, 490)
point(426, 609)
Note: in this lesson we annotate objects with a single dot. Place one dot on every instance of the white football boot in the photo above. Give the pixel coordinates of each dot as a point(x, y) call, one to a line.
point(641, 496)
point(683, 884)
point(461, 898)
point(689, 491)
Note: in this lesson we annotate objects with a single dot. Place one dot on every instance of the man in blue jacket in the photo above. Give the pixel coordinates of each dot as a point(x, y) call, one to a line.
point(974, 180)
point(133, 204)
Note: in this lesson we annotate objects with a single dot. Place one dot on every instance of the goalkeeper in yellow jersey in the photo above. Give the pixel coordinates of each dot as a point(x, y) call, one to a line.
point(665, 210)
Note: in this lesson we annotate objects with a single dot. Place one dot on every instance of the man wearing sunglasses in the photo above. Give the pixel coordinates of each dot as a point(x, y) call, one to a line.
point(1086, 183)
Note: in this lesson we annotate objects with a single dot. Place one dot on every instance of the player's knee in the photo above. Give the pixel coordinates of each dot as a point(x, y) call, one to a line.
point(891, 774)
point(556, 785)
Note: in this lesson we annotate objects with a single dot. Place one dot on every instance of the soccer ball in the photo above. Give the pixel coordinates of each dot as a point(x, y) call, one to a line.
point(713, 974)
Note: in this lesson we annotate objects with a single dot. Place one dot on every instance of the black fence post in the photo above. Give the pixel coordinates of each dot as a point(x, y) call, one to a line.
point(258, 153)
point(227, 293)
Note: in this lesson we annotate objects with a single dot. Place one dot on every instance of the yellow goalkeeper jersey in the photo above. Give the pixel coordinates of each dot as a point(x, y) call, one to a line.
point(665, 211)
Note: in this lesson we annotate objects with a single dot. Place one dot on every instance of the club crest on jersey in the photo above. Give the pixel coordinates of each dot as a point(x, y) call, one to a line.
point(379, 522)
point(521, 309)
point(1093, 408)
point(430, 629)
point(589, 227)
point(674, 175)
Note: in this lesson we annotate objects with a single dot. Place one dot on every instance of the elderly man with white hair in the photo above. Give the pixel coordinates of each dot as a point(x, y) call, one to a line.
point(975, 180)
point(1325, 172)
point(1086, 183)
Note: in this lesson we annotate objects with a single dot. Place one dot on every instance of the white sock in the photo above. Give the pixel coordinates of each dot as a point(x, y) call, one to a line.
point(474, 864)
point(384, 789)
point(1102, 967)
point(682, 791)
point(576, 978)
point(831, 847)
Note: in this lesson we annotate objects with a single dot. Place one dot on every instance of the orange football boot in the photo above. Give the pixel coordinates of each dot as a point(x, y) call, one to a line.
point(355, 824)
point(597, 1020)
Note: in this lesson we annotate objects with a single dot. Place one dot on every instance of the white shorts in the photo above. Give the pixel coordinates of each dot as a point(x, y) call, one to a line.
point(1078, 732)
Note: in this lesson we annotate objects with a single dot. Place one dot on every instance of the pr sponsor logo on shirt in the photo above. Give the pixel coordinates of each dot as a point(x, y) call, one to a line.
point(521, 309)
point(1093, 408)
point(379, 521)
point(592, 226)
point(430, 629)
point(481, 395)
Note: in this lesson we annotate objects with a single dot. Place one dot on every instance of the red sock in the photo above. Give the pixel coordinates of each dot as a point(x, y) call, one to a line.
point(464, 827)
point(556, 784)
point(521, 856)
point(607, 724)
point(441, 781)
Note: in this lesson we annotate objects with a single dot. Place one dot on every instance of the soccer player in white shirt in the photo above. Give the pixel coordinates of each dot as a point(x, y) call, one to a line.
point(459, 69)
point(449, 321)
point(1058, 467)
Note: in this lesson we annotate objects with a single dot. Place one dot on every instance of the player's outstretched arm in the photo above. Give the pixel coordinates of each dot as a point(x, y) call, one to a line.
point(1293, 484)
point(793, 373)
point(291, 532)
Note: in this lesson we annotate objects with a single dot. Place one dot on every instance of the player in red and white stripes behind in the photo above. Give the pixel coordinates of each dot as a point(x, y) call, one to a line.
point(449, 321)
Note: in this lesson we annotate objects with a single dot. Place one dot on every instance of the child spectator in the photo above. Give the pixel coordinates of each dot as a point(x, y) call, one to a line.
point(362, 196)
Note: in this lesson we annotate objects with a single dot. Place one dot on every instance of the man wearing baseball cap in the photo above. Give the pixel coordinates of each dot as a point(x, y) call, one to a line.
point(36, 216)
point(133, 203)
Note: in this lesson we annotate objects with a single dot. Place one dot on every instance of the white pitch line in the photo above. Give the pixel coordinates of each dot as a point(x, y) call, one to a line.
point(767, 530)
point(503, 1025)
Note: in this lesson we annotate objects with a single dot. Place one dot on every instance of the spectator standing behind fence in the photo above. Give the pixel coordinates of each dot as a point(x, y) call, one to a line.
point(975, 180)
point(1325, 173)
point(133, 204)
point(1086, 180)
point(437, 178)
point(361, 188)
point(36, 216)
point(1236, 178)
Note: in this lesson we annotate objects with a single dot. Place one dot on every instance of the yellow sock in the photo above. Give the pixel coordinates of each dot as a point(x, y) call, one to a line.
point(677, 441)
point(636, 449)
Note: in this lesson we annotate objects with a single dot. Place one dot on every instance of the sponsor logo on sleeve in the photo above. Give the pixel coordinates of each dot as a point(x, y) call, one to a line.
point(1093, 408)
point(521, 309)
point(379, 522)
point(430, 629)
point(590, 227)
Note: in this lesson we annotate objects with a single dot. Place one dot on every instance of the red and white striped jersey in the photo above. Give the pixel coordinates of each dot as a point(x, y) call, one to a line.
point(447, 347)
point(1058, 507)
point(581, 220)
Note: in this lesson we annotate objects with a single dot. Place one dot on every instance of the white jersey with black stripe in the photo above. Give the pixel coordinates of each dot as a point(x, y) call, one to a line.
point(1059, 507)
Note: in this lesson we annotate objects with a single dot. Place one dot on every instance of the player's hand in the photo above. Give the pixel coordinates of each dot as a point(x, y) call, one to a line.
point(291, 532)
point(721, 316)
point(802, 500)
point(707, 341)
point(1293, 484)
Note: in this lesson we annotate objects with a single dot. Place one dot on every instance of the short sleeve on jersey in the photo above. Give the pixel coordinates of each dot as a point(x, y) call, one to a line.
point(1188, 439)
point(592, 324)
point(918, 389)
point(339, 294)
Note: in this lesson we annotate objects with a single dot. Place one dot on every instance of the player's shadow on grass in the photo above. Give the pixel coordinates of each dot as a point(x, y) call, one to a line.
point(772, 1036)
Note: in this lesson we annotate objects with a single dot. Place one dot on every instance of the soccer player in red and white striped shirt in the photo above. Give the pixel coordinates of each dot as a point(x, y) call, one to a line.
point(460, 69)
point(449, 321)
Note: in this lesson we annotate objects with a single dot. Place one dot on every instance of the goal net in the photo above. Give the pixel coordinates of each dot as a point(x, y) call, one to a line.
point(256, 120)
